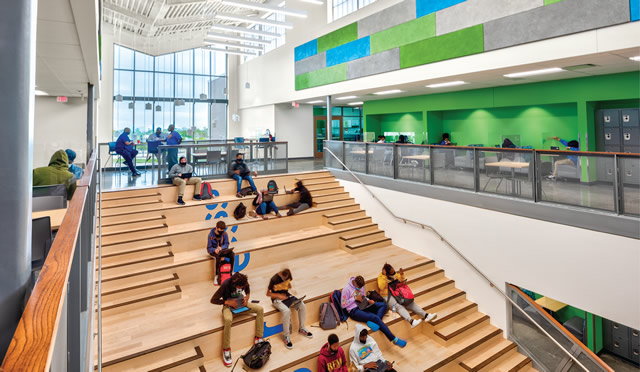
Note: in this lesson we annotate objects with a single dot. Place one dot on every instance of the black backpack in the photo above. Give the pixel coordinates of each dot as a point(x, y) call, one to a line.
point(206, 191)
point(240, 211)
point(272, 187)
point(246, 191)
point(257, 356)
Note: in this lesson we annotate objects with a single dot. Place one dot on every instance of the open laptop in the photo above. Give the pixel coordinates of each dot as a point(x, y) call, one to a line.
point(364, 304)
point(239, 308)
point(186, 175)
point(293, 301)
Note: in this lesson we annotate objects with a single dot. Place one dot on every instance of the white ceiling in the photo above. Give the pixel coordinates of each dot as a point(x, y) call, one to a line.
point(66, 63)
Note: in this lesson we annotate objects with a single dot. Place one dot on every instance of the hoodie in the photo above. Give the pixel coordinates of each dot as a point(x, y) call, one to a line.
point(56, 173)
point(383, 283)
point(329, 362)
point(361, 354)
point(349, 296)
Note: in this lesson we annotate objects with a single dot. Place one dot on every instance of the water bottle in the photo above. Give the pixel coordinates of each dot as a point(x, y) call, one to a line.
point(393, 309)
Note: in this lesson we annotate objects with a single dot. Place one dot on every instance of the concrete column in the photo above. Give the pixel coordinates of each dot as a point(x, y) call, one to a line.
point(329, 118)
point(17, 79)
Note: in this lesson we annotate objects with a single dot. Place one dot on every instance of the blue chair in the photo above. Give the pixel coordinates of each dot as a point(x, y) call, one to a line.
point(112, 154)
point(152, 150)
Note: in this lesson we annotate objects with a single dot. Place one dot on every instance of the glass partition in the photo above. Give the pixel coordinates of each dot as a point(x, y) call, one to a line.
point(336, 148)
point(453, 167)
point(630, 181)
point(579, 180)
point(380, 160)
point(354, 156)
point(414, 163)
point(506, 172)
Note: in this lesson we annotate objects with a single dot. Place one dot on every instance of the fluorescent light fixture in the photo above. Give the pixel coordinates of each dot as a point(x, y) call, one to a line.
point(261, 21)
point(266, 8)
point(317, 2)
point(636, 58)
point(229, 51)
point(41, 93)
point(234, 45)
point(355, 103)
point(346, 97)
point(318, 101)
point(245, 30)
point(384, 92)
point(215, 35)
point(448, 84)
point(534, 72)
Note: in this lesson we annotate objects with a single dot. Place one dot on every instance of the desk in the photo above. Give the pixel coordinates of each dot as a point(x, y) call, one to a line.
point(550, 304)
point(513, 165)
point(417, 157)
point(56, 216)
point(360, 152)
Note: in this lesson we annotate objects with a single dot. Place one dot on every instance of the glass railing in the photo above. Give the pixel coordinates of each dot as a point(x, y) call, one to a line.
point(600, 181)
point(546, 354)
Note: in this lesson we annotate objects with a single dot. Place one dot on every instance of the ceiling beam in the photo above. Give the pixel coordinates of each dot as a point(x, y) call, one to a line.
point(158, 11)
point(126, 12)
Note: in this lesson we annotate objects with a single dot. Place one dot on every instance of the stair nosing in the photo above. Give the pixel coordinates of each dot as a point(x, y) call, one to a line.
point(174, 277)
point(462, 329)
point(129, 197)
point(166, 244)
point(176, 289)
point(199, 355)
point(491, 358)
point(168, 255)
point(455, 313)
point(135, 230)
point(342, 213)
point(334, 223)
point(133, 204)
point(360, 235)
point(146, 219)
point(364, 244)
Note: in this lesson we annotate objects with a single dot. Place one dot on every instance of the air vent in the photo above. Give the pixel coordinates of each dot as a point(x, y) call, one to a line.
point(579, 67)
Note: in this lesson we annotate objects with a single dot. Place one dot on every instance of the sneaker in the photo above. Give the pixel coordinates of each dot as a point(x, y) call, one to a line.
point(197, 197)
point(290, 213)
point(373, 326)
point(430, 317)
point(415, 322)
point(136, 174)
point(287, 342)
point(238, 195)
point(226, 357)
point(215, 280)
point(400, 342)
point(257, 340)
point(550, 178)
point(180, 201)
point(278, 215)
point(305, 333)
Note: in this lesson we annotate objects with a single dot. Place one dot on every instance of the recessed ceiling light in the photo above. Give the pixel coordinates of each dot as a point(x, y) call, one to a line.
point(384, 92)
point(219, 36)
point(449, 84)
point(636, 58)
point(317, 2)
point(234, 45)
point(355, 103)
point(346, 97)
point(260, 21)
point(318, 101)
point(244, 30)
point(266, 8)
point(231, 51)
point(41, 93)
point(534, 72)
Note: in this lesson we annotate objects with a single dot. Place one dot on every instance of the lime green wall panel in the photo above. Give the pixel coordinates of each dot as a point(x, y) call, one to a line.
point(548, 2)
point(405, 122)
point(452, 45)
point(405, 33)
point(338, 37)
point(325, 76)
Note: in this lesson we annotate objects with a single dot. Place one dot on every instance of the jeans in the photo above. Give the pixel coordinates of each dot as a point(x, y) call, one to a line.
point(265, 208)
point(227, 317)
point(180, 182)
point(129, 156)
point(286, 315)
point(172, 157)
point(239, 179)
point(373, 313)
point(403, 310)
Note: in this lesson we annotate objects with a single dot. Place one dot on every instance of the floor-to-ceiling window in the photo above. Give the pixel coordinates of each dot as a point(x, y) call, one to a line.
point(343, 7)
point(184, 88)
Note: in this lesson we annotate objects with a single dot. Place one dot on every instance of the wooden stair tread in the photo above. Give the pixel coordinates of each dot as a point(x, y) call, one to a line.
point(133, 204)
point(135, 284)
point(372, 241)
point(332, 201)
point(316, 183)
point(106, 197)
point(141, 248)
point(484, 354)
point(134, 220)
point(150, 258)
point(510, 362)
point(137, 229)
point(460, 324)
point(360, 235)
point(453, 310)
point(339, 214)
point(347, 220)
point(182, 358)
point(140, 298)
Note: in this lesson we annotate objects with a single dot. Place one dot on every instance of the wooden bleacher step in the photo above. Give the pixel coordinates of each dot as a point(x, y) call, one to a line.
point(134, 255)
point(326, 190)
point(509, 362)
point(115, 250)
point(188, 359)
point(137, 301)
point(134, 203)
point(349, 221)
point(119, 195)
point(353, 213)
point(133, 220)
point(370, 243)
point(473, 338)
point(321, 185)
point(330, 196)
point(334, 202)
point(135, 200)
point(484, 354)
point(154, 228)
point(150, 261)
point(458, 325)
point(360, 237)
point(139, 287)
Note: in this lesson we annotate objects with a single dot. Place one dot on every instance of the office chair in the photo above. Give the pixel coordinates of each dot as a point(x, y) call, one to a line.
point(46, 203)
point(41, 239)
point(51, 190)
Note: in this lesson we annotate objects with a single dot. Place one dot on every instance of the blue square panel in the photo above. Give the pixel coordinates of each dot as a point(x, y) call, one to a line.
point(634, 5)
point(306, 50)
point(424, 7)
point(349, 51)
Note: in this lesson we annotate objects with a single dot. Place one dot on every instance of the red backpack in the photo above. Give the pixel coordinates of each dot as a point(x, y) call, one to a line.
point(205, 191)
point(225, 272)
point(401, 292)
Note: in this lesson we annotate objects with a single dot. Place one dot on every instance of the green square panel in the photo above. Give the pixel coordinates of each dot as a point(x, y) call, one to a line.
point(338, 37)
point(405, 33)
point(548, 2)
point(325, 76)
point(452, 45)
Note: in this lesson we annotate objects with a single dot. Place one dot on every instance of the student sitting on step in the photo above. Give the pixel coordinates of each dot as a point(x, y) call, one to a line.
point(234, 294)
point(239, 171)
point(332, 358)
point(282, 300)
point(218, 248)
point(362, 309)
point(305, 201)
point(365, 353)
point(264, 205)
point(387, 276)
point(182, 174)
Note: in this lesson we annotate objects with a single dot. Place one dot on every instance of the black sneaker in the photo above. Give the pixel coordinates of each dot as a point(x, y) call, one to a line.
point(197, 197)
point(180, 201)
point(287, 343)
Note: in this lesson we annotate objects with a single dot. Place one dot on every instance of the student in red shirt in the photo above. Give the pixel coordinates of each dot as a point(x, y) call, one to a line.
point(332, 358)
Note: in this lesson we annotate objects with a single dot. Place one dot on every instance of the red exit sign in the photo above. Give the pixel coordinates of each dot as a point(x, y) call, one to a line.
point(63, 99)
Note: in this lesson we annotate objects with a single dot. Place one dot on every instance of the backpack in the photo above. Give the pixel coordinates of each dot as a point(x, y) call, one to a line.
point(272, 187)
point(336, 298)
point(329, 318)
point(246, 191)
point(257, 356)
point(240, 211)
point(374, 295)
point(206, 191)
point(225, 272)
point(401, 292)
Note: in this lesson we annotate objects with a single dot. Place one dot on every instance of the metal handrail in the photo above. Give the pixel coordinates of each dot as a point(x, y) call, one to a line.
point(443, 239)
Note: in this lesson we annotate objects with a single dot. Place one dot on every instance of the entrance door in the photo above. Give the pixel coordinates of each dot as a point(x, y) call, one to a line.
point(320, 132)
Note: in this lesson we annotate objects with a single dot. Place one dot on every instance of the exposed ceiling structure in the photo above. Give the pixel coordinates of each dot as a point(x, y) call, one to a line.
point(163, 26)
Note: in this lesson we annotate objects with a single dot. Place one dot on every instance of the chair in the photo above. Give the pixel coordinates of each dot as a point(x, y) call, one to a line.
point(214, 157)
point(113, 153)
point(152, 149)
point(575, 325)
point(51, 190)
point(493, 172)
point(41, 239)
point(46, 203)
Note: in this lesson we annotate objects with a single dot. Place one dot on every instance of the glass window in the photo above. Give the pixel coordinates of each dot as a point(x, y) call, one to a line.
point(144, 84)
point(202, 62)
point(122, 58)
point(220, 66)
point(143, 118)
point(123, 83)
point(184, 118)
point(201, 86)
point(184, 86)
point(164, 63)
point(164, 85)
point(201, 120)
point(164, 117)
point(122, 117)
point(144, 62)
point(184, 62)
point(342, 8)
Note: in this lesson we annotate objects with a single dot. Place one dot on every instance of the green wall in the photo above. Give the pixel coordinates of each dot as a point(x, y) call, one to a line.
point(406, 122)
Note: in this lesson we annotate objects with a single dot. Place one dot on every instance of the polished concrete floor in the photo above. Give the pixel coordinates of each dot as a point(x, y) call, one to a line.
point(114, 179)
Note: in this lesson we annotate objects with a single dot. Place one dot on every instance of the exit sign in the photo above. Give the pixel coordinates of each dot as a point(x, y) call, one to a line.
point(63, 99)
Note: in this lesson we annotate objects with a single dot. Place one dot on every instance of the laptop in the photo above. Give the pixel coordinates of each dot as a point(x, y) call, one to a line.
point(293, 300)
point(239, 307)
point(381, 367)
point(362, 305)
point(186, 175)
point(239, 310)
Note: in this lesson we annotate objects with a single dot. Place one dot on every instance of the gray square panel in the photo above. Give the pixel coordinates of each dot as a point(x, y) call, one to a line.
point(387, 18)
point(386, 61)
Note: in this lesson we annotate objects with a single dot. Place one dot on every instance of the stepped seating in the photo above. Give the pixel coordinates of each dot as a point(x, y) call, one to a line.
point(156, 288)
